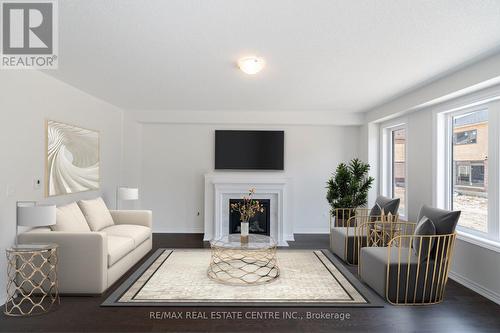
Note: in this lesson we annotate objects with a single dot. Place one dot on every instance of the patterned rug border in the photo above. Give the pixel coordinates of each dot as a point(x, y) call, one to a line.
point(372, 300)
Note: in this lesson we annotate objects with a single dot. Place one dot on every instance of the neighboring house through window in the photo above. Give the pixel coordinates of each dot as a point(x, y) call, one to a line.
point(394, 166)
point(470, 168)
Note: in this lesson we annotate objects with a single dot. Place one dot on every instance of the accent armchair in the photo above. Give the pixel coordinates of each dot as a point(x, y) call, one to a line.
point(345, 240)
point(411, 265)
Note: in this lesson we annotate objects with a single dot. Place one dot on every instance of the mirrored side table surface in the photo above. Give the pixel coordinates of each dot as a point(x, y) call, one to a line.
point(31, 279)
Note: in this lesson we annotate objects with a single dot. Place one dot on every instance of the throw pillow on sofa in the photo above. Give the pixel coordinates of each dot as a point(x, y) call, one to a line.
point(96, 213)
point(70, 218)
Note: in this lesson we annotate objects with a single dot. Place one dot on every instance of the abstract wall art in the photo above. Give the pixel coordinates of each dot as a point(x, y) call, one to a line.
point(72, 163)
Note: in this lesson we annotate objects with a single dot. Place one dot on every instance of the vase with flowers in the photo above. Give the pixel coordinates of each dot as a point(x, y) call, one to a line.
point(247, 208)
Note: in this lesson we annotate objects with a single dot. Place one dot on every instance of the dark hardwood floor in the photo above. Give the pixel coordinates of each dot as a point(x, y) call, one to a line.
point(462, 311)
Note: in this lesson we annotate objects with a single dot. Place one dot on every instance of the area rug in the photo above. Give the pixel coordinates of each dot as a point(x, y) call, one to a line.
point(179, 278)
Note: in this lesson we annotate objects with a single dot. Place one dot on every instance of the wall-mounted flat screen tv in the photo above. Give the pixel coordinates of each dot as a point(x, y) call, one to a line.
point(249, 150)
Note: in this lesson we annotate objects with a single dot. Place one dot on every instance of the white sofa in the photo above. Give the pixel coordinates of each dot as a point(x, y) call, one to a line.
point(91, 261)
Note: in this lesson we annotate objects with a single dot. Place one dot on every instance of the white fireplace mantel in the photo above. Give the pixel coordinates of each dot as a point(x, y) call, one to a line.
point(222, 186)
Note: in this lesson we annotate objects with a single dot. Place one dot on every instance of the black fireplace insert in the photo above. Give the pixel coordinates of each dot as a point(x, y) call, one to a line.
point(259, 224)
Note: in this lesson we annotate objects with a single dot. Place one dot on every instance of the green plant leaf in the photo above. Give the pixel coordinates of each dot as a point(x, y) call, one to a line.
point(349, 185)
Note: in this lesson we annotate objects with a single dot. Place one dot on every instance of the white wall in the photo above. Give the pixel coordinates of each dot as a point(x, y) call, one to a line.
point(131, 162)
point(176, 156)
point(475, 266)
point(271, 117)
point(369, 152)
point(466, 80)
point(27, 99)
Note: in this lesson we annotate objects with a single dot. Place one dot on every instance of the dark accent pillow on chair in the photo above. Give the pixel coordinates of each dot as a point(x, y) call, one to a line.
point(424, 227)
point(445, 221)
point(376, 210)
point(388, 205)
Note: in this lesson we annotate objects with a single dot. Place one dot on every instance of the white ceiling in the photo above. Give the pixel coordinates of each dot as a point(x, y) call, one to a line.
point(327, 55)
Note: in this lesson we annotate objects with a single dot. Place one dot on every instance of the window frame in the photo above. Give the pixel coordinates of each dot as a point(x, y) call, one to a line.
point(387, 158)
point(445, 189)
point(491, 96)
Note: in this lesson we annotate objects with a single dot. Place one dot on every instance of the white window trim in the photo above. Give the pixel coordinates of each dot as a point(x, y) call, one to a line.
point(442, 155)
point(386, 160)
point(480, 241)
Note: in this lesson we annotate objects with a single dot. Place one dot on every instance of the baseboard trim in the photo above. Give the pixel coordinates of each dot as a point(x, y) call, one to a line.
point(184, 231)
point(489, 294)
point(312, 231)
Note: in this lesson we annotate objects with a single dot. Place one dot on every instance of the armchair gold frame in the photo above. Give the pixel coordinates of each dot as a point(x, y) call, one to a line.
point(433, 262)
point(357, 217)
point(340, 216)
point(442, 250)
point(380, 233)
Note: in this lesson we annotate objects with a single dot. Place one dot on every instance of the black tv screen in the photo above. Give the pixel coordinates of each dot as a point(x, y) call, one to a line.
point(249, 150)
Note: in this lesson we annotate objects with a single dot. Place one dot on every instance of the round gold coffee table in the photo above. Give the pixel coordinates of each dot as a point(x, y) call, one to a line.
point(237, 263)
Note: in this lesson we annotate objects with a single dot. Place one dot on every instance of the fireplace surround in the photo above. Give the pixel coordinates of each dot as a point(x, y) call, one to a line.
point(220, 187)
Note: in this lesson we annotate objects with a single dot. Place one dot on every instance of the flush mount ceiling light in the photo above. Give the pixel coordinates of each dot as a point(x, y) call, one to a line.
point(251, 65)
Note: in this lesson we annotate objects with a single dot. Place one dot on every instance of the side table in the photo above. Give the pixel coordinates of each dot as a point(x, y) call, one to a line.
point(31, 279)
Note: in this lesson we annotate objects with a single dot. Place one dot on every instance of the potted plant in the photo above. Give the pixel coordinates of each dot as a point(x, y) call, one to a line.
point(247, 209)
point(348, 187)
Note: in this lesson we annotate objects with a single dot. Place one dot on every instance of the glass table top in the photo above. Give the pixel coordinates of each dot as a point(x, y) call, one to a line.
point(32, 247)
point(255, 242)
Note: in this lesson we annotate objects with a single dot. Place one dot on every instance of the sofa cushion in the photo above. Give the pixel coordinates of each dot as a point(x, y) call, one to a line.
point(138, 233)
point(38, 229)
point(70, 218)
point(96, 213)
point(408, 272)
point(424, 245)
point(118, 247)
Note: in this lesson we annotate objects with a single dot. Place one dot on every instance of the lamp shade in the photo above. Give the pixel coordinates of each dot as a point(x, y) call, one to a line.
point(32, 215)
point(128, 193)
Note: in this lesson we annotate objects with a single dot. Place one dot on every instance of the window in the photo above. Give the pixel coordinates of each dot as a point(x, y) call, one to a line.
point(466, 167)
point(465, 138)
point(398, 166)
point(394, 166)
point(469, 168)
point(469, 173)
